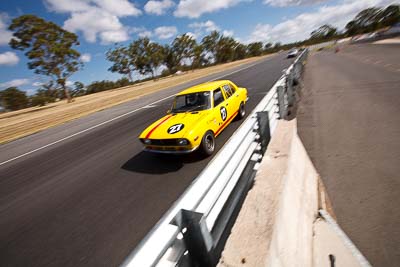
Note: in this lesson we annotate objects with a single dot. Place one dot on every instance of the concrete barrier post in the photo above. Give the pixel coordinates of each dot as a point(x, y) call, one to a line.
point(290, 81)
point(264, 129)
point(281, 102)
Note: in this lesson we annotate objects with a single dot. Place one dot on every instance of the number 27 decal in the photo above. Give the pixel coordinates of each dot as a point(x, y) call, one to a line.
point(224, 113)
point(175, 128)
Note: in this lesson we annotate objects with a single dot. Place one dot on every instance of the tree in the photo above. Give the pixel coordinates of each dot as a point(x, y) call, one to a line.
point(122, 82)
point(123, 59)
point(79, 89)
point(49, 48)
point(352, 28)
point(240, 52)
point(41, 98)
point(149, 55)
point(183, 47)
point(390, 16)
point(210, 41)
point(13, 99)
point(255, 49)
point(222, 48)
point(267, 46)
point(323, 32)
point(48, 90)
point(225, 49)
point(198, 59)
point(170, 59)
point(99, 86)
point(154, 55)
point(366, 21)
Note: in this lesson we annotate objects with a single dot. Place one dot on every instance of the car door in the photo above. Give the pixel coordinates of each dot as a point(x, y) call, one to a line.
point(220, 111)
point(231, 101)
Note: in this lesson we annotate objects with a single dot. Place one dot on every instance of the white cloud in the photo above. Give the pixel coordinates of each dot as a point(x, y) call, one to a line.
point(158, 7)
point(30, 92)
point(262, 32)
point(97, 22)
point(69, 83)
point(191, 34)
point(165, 32)
point(5, 35)
point(300, 27)
point(96, 18)
point(66, 6)
point(14, 83)
point(207, 26)
point(228, 33)
point(118, 7)
point(195, 8)
point(37, 84)
point(9, 58)
point(141, 31)
point(115, 7)
point(283, 3)
point(114, 36)
point(86, 57)
point(145, 33)
point(202, 28)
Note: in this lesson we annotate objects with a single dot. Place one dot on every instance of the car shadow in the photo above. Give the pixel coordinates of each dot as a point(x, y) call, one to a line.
point(153, 163)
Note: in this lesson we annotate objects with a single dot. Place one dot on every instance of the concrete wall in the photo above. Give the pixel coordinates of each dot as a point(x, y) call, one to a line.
point(252, 233)
point(293, 229)
point(279, 223)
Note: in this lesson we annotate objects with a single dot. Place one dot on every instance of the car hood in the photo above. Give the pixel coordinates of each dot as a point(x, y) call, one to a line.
point(175, 125)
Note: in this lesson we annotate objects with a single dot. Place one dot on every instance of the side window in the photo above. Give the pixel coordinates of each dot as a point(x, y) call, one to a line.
point(233, 89)
point(227, 90)
point(218, 97)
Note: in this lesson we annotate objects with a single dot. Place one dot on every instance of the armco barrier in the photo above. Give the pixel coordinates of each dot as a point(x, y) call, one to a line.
point(193, 231)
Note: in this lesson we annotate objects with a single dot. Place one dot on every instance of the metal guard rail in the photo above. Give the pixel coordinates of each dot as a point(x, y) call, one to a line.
point(193, 231)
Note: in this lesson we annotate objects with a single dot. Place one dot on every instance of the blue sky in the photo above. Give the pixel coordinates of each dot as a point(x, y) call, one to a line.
point(100, 24)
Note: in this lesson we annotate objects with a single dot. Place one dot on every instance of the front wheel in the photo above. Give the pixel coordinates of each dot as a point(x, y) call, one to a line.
point(242, 111)
point(208, 143)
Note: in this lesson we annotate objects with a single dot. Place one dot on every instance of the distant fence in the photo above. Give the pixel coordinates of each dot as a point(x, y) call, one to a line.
point(193, 231)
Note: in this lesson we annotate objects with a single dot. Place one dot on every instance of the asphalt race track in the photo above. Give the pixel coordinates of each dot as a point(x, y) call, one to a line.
point(88, 199)
point(349, 124)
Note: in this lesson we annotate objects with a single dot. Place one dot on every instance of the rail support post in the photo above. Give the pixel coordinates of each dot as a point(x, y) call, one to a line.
point(263, 129)
point(282, 101)
point(290, 83)
point(197, 238)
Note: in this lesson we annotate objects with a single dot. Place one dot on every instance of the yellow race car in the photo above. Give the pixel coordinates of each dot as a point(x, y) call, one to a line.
point(197, 116)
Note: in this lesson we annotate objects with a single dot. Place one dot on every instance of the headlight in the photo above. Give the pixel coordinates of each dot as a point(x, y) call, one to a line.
point(183, 142)
point(147, 141)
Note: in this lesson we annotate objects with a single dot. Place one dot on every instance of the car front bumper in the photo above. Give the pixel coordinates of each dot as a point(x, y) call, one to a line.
point(169, 150)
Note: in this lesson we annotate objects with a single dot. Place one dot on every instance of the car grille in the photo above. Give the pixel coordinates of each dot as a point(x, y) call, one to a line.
point(164, 142)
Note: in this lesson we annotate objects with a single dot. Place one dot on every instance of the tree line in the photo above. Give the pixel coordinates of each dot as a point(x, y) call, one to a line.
point(50, 52)
point(184, 53)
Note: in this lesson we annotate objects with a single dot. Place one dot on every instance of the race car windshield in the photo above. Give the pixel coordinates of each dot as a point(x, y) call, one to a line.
point(191, 102)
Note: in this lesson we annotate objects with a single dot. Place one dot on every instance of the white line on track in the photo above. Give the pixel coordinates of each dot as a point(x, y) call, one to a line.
point(113, 119)
point(83, 131)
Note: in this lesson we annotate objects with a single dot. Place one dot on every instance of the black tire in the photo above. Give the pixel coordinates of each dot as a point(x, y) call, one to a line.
point(242, 111)
point(207, 145)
